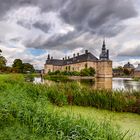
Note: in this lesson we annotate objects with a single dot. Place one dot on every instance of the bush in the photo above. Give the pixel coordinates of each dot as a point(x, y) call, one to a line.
point(87, 72)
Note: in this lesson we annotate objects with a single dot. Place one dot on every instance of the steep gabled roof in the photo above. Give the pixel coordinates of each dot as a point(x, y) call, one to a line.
point(55, 62)
point(81, 58)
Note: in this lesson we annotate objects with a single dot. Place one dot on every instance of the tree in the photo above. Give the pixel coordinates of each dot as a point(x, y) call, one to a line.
point(92, 71)
point(3, 62)
point(28, 68)
point(17, 66)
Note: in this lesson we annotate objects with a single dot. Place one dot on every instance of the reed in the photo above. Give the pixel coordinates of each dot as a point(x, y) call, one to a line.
point(74, 94)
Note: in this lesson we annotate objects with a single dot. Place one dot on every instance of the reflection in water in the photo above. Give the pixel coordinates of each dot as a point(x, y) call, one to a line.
point(102, 83)
point(126, 84)
point(38, 80)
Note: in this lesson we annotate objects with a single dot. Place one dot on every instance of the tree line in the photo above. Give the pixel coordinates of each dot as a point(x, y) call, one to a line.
point(17, 67)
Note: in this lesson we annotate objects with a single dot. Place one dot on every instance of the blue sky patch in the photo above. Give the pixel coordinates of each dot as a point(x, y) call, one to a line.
point(36, 52)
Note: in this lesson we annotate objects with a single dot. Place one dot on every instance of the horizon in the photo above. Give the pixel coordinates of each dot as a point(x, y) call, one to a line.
point(32, 29)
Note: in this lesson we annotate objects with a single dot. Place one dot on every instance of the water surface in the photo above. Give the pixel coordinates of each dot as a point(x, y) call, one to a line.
point(102, 83)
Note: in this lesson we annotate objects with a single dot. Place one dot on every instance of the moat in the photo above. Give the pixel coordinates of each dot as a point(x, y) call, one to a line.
point(102, 83)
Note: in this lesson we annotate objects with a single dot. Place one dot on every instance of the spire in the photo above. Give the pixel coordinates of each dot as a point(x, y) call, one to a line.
point(48, 56)
point(103, 47)
point(105, 53)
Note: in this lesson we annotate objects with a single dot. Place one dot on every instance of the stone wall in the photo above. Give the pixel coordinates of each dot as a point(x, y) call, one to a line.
point(48, 68)
point(79, 66)
point(104, 69)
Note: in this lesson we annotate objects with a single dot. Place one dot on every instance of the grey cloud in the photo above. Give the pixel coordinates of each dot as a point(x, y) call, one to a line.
point(96, 17)
point(42, 26)
point(93, 15)
point(24, 24)
point(45, 5)
point(53, 42)
point(15, 39)
point(6, 5)
point(131, 52)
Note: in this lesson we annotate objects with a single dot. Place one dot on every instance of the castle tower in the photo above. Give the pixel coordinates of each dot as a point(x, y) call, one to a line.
point(104, 69)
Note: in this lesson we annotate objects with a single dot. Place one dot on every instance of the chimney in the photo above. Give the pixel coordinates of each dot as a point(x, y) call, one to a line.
point(86, 51)
point(63, 58)
point(77, 54)
point(68, 57)
point(48, 57)
point(107, 54)
point(74, 55)
point(51, 58)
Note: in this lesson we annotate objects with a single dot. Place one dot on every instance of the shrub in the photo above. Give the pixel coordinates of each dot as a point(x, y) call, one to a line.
point(87, 72)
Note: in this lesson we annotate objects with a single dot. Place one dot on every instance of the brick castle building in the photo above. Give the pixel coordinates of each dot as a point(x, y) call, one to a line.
point(102, 66)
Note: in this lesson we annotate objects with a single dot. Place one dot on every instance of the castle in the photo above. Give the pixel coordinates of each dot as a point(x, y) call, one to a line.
point(102, 66)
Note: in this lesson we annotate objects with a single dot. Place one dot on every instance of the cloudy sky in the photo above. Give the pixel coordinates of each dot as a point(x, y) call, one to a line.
point(30, 29)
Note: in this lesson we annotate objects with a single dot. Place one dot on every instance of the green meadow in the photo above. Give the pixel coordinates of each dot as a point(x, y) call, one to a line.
point(65, 111)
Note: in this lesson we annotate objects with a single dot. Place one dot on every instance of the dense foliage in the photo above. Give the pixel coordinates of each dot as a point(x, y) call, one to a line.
point(84, 72)
point(17, 66)
point(25, 113)
point(20, 67)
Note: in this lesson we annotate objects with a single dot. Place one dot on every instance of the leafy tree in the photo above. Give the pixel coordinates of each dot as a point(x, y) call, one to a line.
point(17, 66)
point(92, 71)
point(3, 62)
point(27, 67)
point(87, 72)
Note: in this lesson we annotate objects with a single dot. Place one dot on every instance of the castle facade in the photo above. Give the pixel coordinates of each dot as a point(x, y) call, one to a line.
point(102, 66)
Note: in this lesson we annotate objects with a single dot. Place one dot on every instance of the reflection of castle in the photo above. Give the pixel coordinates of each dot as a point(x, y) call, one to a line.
point(103, 83)
point(102, 66)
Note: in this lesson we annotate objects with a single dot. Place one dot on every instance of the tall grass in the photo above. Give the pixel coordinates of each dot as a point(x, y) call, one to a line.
point(72, 93)
point(26, 113)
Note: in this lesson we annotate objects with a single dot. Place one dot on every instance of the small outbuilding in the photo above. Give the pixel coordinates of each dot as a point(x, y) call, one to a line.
point(137, 71)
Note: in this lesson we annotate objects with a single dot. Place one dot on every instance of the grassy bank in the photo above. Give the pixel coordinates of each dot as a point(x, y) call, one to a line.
point(26, 113)
point(125, 121)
